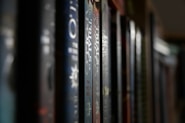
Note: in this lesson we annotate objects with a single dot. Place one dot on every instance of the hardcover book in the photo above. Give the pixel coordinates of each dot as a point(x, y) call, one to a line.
point(88, 38)
point(96, 61)
point(119, 67)
point(114, 77)
point(67, 62)
point(27, 59)
point(106, 62)
point(46, 61)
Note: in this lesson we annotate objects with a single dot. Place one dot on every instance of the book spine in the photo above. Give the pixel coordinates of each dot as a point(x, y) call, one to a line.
point(88, 20)
point(128, 69)
point(180, 94)
point(138, 81)
point(124, 68)
point(46, 62)
point(7, 60)
point(143, 91)
point(106, 76)
point(67, 62)
point(119, 67)
point(131, 70)
point(113, 44)
point(96, 62)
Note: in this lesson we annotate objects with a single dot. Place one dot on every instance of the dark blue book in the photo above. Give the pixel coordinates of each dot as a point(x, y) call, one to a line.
point(67, 65)
point(46, 61)
point(88, 21)
point(7, 60)
point(106, 62)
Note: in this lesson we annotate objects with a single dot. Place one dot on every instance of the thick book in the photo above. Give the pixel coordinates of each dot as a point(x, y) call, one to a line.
point(35, 61)
point(27, 59)
point(88, 69)
point(96, 61)
point(67, 62)
point(7, 60)
point(46, 61)
point(106, 63)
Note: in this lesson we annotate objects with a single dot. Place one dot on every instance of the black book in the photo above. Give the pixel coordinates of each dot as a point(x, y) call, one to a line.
point(180, 84)
point(67, 62)
point(35, 61)
point(124, 68)
point(7, 60)
point(27, 62)
point(106, 64)
point(128, 69)
point(114, 79)
point(82, 62)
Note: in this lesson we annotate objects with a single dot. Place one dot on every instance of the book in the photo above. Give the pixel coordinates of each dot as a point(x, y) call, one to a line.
point(151, 104)
point(35, 70)
point(130, 43)
point(46, 61)
point(27, 61)
point(124, 68)
point(128, 69)
point(88, 86)
point(119, 67)
point(106, 63)
point(141, 91)
point(114, 77)
point(96, 62)
point(81, 61)
point(8, 16)
point(180, 95)
point(67, 62)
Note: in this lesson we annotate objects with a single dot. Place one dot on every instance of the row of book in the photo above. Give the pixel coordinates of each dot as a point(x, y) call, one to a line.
point(91, 61)
point(155, 86)
point(60, 61)
point(166, 76)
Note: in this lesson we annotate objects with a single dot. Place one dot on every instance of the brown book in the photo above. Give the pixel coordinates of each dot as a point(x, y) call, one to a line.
point(96, 61)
